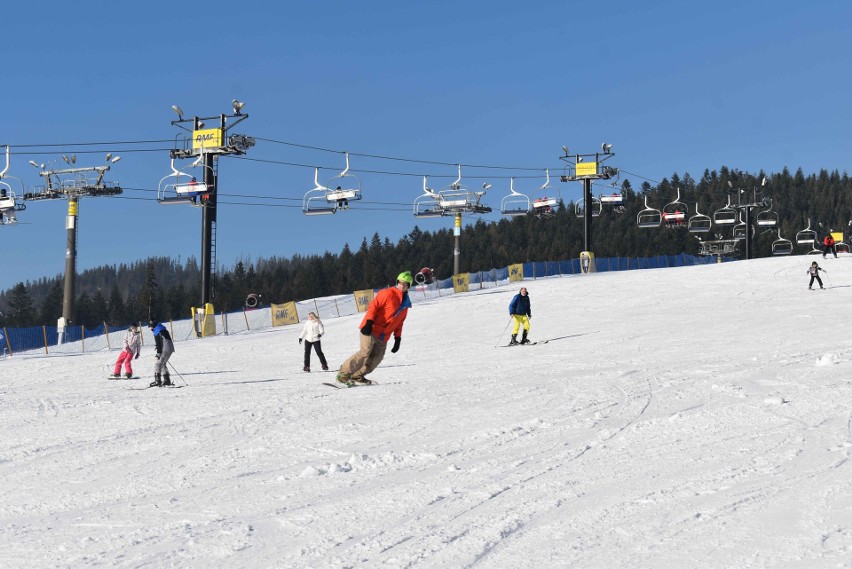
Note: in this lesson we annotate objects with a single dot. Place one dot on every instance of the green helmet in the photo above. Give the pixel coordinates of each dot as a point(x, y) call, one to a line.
point(405, 277)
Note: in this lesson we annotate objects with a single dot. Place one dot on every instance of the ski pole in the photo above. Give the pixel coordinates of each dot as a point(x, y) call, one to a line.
point(504, 330)
point(178, 374)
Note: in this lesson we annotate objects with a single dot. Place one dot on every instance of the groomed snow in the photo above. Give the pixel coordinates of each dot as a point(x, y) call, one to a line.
point(685, 417)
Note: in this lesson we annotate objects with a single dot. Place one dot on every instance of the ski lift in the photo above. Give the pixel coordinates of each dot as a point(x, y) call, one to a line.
point(347, 187)
point(427, 206)
point(782, 246)
point(806, 236)
point(9, 202)
point(614, 198)
point(649, 217)
point(544, 205)
point(726, 215)
point(180, 187)
point(515, 203)
point(699, 223)
point(674, 213)
point(767, 217)
point(458, 199)
point(314, 202)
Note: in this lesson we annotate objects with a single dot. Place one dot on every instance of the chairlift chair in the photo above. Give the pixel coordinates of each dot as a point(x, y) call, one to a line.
point(314, 202)
point(426, 205)
point(597, 207)
point(767, 217)
point(180, 187)
point(782, 246)
point(674, 213)
point(346, 188)
point(9, 202)
point(649, 217)
point(841, 247)
point(515, 203)
point(699, 223)
point(740, 229)
point(545, 199)
point(806, 236)
point(726, 215)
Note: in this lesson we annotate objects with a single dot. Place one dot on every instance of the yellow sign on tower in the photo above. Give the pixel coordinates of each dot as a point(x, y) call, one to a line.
point(587, 169)
point(207, 138)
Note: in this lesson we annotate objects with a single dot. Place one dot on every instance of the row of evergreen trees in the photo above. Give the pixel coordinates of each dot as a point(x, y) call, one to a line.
point(165, 288)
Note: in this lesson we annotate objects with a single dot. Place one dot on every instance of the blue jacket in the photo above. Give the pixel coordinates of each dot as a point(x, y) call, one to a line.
point(520, 305)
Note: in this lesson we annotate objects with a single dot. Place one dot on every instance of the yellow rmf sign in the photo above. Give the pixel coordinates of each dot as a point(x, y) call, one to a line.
point(587, 168)
point(207, 138)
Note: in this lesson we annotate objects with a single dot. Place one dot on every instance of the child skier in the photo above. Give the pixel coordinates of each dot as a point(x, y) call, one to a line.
point(813, 271)
point(311, 334)
point(131, 351)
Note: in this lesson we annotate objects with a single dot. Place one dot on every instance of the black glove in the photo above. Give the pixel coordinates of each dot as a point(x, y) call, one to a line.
point(319, 336)
point(396, 342)
point(157, 356)
point(368, 328)
point(137, 357)
point(300, 340)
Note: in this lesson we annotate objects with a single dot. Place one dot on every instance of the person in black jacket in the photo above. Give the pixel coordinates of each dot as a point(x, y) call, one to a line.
point(165, 348)
point(521, 312)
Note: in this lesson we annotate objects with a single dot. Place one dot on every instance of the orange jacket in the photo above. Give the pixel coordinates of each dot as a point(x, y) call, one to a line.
point(387, 311)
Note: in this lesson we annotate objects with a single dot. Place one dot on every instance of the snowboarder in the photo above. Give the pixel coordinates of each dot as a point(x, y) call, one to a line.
point(311, 334)
point(520, 311)
point(813, 271)
point(131, 351)
point(385, 317)
point(165, 348)
point(830, 246)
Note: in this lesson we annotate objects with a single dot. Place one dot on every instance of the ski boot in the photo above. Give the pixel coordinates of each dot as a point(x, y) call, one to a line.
point(157, 382)
point(167, 380)
point(345, 379)
point(514, 340)
point(306, 368)
point(325, 368)
point(115, 376)
point(360, 380)
point(524, 339)
point(128, 375)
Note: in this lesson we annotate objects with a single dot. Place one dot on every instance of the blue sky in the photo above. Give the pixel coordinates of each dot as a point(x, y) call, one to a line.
point(674, 87)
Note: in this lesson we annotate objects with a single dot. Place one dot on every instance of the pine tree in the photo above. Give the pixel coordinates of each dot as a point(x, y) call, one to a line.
point(21, 311)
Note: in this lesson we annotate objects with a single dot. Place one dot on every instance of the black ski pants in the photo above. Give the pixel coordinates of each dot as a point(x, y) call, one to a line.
point(318, 347)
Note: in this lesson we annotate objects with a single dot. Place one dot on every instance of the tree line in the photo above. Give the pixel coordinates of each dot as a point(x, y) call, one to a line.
point(164, 288)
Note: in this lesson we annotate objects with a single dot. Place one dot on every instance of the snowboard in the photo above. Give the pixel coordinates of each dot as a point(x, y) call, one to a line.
point(339, 385)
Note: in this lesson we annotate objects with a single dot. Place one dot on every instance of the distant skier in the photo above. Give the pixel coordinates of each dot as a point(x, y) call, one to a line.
point(521, 312)
point(131, 351)
point(813, 271)
point(385, 317)
point(830, 246)
point(165, 348)
point(311, 334)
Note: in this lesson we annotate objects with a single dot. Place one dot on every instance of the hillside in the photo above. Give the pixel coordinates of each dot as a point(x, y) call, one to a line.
point(687, 417)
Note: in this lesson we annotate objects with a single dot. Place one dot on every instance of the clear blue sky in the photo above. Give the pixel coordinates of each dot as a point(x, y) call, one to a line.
point(674, 87)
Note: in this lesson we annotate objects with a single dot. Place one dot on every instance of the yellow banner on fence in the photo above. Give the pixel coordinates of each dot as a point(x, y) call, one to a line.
point(516, 273)
point(284, 314)
point(363, 298)
point(461, 283)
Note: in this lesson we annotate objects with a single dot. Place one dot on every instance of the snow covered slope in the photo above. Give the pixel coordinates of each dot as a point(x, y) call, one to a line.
point(685, 417)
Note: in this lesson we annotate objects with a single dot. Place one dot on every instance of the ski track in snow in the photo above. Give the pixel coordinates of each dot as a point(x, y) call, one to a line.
point(717, 436)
